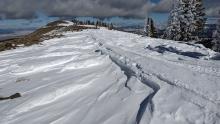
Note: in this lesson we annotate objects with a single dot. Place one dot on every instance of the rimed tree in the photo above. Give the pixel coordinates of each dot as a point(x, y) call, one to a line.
point(216, 36)
point(96, 24)
point(197, 21)
point(186, 20)
point(150, 28)
point(173, 31)
point(110, 27)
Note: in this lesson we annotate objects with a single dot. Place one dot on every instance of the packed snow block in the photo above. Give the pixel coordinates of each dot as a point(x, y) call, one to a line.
point(16, 95)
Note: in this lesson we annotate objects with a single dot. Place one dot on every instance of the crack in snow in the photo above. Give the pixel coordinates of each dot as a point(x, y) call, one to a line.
point(134, 70)
point(130, 70)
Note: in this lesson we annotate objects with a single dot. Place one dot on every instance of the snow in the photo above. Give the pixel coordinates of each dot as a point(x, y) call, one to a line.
point(88, 26)
point(100, 76)
point(66, 23)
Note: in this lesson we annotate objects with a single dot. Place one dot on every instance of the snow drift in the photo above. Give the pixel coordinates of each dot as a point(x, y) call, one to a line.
point(110, 77)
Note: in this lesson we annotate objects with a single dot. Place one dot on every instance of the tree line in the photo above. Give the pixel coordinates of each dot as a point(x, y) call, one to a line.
point(186, 21)
point(97, 23)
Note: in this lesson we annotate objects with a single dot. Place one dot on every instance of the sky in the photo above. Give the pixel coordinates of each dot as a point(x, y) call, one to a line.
point(14, 9)
point(30, 14)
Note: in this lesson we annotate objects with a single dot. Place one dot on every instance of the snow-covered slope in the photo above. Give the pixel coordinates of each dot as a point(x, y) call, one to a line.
point(110, 77)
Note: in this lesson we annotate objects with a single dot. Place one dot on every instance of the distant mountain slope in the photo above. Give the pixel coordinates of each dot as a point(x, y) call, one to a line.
point(101, 76)
point(40, 34)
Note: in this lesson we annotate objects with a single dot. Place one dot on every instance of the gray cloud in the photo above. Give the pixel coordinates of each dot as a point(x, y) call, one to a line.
point(163, 6)
point(212, 6)
point(101, 8)
point(28, 8)
point(214, 11)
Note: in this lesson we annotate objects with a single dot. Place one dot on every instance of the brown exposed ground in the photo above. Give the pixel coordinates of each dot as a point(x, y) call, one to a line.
point(39, 35)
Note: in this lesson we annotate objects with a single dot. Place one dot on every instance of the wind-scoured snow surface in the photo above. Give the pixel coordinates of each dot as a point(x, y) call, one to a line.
point(110, 77)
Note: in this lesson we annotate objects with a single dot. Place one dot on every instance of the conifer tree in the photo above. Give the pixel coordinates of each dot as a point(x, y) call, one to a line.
point(186, 20)
point(96, 24)
point(216, 36)
point(110, 27)
point(150, 28)
point(197, 20)
point(173, 31)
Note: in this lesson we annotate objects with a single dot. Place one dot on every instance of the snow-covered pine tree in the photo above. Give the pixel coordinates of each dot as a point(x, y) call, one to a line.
point(198, 20)
point(110, 26)
point(96, 24)
point(186, 20)
point(173, 31)
point(146, 26)
point(153, 29)
point(150, 28)
point(216, 36)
